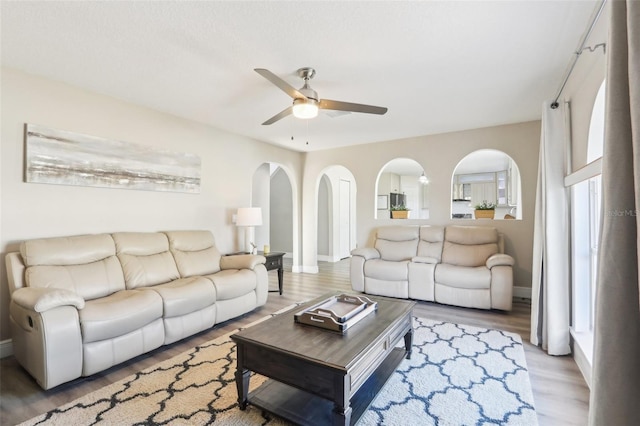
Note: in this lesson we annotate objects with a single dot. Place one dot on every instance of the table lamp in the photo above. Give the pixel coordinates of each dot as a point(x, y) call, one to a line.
point(249, 217)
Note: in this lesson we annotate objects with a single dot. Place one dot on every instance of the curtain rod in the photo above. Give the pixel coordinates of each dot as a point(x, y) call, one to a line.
point(578, 52)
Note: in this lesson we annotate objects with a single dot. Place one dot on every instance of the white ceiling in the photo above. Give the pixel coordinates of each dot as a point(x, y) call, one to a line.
point(438, 66)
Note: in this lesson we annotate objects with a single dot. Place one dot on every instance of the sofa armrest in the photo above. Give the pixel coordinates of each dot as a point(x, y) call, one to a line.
point(420, 259)
point(45, 299)
point(241, 261)
point(15, 271)
point(366, 252)
point(500, 259)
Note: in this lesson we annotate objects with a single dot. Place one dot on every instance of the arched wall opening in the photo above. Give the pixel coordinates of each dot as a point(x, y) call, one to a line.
point(336, 213)
point(486, 179)
point(402, 185)
point(274, 190)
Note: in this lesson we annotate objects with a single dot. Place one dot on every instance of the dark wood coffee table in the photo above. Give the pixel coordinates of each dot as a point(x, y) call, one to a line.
point(320, 376)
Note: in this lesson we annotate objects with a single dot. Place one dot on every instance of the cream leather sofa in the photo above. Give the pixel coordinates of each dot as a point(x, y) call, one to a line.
point(455, 265)
point(82, 304)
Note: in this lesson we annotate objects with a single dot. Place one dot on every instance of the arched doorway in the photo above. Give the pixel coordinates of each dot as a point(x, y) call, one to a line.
point(336, 218)
point(274, 192)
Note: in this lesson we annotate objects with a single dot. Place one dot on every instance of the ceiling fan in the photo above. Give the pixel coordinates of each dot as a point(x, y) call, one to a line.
point(305, 100)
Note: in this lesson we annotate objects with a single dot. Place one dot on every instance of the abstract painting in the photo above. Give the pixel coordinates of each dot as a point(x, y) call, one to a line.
point(68, 158)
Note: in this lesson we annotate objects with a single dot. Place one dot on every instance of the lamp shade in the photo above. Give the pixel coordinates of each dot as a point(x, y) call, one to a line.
point(305, 108)
point(249, 216)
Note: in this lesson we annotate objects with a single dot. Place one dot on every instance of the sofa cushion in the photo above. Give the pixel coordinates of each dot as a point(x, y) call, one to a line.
point(145, 258)
point(386, 270)
point(195, 252)
point(84, 264)
point(91, 280)
point(471, 235)
point(397, 243)
point(467, 255)
point(232, 283)
point(463, 277)
point(430, 244)
point(185, 295)
point(74, 250)
point(119, 314)
point(469, 245)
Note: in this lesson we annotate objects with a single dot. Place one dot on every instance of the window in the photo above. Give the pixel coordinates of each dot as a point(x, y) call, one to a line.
point(585, 232)
point(586, 208)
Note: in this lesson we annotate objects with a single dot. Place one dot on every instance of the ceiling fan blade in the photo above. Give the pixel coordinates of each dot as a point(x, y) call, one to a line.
point(283, 85)
point(282, 114)
point(348, 106)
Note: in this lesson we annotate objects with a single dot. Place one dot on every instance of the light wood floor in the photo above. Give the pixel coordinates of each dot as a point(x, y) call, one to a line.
point(560, 393)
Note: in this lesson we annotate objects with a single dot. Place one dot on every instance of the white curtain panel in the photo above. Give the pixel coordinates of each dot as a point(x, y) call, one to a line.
point(615, 384)
point(550, 274)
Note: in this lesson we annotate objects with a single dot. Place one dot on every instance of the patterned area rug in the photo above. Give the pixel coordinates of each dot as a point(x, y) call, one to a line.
point(457, 375)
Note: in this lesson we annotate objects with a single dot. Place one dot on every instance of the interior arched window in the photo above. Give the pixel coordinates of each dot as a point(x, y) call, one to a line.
point(402, 186)
point(486, 184)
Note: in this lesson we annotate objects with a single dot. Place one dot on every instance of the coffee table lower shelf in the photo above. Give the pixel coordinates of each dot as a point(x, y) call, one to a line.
point(304, 408)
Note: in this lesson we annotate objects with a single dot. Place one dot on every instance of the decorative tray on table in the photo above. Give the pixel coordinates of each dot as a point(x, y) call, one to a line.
point(337, 313)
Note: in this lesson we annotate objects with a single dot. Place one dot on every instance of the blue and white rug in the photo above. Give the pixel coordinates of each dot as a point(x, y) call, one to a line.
point(457, 375)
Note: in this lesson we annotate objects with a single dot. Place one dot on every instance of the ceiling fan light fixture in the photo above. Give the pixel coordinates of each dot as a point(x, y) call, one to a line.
point(305, 108)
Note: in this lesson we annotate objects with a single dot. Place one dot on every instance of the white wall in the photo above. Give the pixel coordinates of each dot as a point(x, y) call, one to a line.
point(38, 210)
point(439, 155)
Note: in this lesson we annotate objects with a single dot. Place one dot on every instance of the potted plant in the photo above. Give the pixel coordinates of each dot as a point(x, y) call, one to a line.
point(399, 211)
point(485, 210)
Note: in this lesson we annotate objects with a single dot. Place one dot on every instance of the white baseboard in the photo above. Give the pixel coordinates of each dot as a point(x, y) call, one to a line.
point(6, 348)
point(522, 292)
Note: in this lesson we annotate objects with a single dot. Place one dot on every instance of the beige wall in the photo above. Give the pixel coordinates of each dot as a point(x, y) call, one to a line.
point(438, 155)
point(37, 210)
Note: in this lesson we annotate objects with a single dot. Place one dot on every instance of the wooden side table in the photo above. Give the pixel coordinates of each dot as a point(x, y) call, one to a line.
point(274, 261)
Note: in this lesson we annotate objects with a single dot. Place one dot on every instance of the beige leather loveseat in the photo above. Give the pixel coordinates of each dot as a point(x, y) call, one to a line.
point(82, 304)
point(454, 265)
